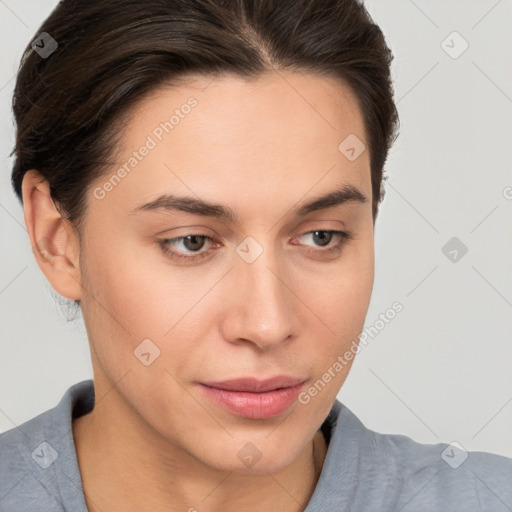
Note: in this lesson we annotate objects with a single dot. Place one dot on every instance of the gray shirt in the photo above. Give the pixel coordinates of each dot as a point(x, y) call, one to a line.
point(363, 470)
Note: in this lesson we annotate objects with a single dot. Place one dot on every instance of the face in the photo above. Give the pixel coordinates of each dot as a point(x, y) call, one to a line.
point(253, 284)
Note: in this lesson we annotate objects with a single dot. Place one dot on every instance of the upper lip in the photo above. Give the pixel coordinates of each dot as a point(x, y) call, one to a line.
point(254, 385)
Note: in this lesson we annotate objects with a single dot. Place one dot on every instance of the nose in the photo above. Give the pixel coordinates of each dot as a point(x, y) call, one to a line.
point(261, 307)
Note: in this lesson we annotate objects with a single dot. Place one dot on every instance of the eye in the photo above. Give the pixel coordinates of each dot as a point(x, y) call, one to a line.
point(193, 243)
point(322, 238)
point(190, 247)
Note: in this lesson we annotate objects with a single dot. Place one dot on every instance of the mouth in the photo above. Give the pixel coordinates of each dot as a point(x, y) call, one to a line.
point(253, 398)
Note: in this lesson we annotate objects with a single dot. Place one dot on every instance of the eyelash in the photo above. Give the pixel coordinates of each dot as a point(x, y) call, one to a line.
point(343, 238)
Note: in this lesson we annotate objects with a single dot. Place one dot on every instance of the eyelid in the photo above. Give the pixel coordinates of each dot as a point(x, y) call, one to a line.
point(165, 243)
point(344, 237)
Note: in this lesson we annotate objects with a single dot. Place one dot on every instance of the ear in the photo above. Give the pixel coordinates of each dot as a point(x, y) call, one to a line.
point(54, 242)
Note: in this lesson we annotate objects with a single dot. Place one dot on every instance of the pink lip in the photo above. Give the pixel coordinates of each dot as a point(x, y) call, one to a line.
point(253, 398)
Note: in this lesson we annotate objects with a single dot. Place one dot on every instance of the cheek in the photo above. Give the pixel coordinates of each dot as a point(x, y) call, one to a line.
point(117, 309)
point(129, 285)
point(341, 295)
point(135, 296)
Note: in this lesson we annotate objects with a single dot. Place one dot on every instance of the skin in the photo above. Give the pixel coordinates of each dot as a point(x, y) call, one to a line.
point(154, 441)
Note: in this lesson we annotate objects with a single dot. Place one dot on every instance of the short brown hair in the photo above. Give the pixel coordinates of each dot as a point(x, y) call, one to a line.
point(112, 52)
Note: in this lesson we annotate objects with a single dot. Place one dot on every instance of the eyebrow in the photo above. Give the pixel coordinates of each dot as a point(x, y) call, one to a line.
point(193, 205)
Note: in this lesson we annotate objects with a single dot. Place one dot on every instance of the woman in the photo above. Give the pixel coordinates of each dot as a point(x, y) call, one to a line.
point(202, 178)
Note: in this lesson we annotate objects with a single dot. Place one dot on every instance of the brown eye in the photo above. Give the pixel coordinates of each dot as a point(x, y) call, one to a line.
point(194, 242)
point(189, 246)
point(323, 238)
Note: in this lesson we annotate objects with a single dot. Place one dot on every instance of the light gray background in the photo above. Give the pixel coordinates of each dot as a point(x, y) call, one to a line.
point(440, 371)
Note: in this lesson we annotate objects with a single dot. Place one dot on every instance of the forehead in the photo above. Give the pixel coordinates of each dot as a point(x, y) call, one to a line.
point(225, 135)
point(230, 110)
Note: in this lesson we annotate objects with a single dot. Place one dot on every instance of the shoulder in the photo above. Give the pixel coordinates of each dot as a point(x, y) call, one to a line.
point(38, 465)
point(410, 476)
point(21, 448)
point(442, 474)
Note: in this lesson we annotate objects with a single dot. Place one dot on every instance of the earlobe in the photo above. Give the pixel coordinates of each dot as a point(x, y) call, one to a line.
point(53, 240)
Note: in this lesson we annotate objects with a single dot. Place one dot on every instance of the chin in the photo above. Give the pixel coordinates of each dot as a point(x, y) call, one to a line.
point(252, 458)
point(259, 468)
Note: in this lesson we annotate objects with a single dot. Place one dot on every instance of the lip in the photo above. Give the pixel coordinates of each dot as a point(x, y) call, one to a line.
point(253, 385)
point(254, 398)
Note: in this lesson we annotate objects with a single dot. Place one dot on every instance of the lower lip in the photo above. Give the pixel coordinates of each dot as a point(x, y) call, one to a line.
point(257, 406)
